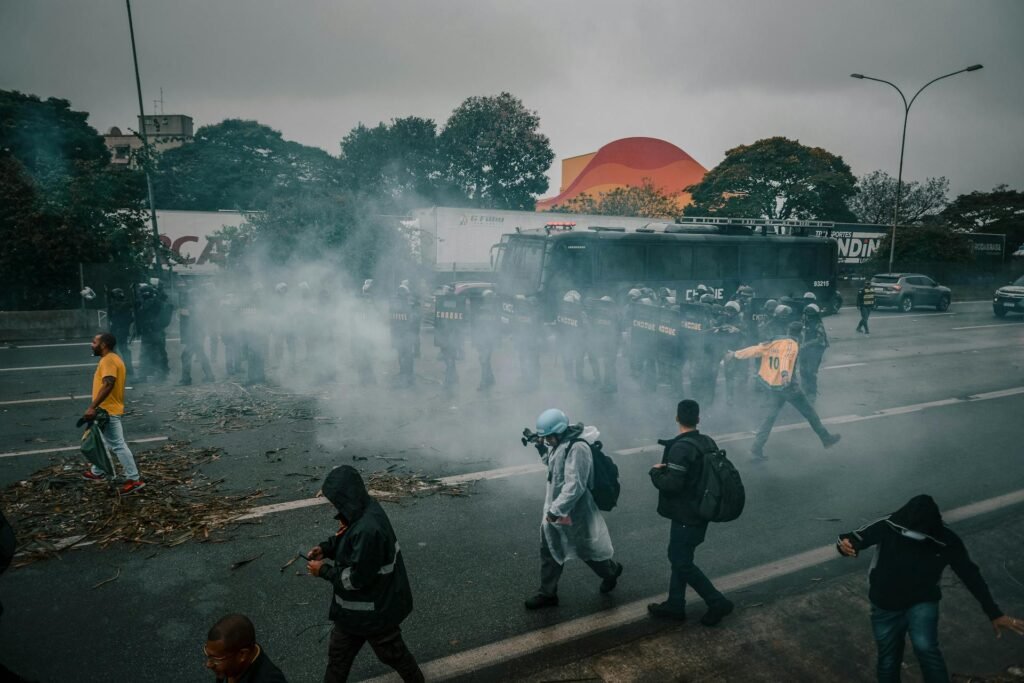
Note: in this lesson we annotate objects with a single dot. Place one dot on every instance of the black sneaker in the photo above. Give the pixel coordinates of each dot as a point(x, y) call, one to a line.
point(662, 610)
point(608, 585)
point(831, 441)
point(716, 613)
point(540, 601)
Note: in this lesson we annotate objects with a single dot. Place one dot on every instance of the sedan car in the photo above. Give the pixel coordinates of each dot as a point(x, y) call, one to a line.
point(906, 291)
point(1009, 299)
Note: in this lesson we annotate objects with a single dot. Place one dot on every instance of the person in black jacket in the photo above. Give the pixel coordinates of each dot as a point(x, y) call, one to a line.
point(234, 656)
point(914, 547)
point(677, 478)
point(371, 589)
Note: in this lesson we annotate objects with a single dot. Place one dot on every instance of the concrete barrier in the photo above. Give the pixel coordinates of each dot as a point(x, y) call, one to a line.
point(78, 323)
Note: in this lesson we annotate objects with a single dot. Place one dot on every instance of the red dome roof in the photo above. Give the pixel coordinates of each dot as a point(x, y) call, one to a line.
point(628, 162)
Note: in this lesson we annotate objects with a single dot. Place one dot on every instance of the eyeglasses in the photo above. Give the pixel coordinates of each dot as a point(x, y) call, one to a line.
point(211, 658)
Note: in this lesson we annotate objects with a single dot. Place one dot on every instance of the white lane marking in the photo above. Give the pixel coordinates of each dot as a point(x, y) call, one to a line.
point(848, 365)
point(996, 394)
point(49, 367)
point(43, 400)
point(17, 347)
point(468, 661)
point(492, 474)
point(516, 470)
point(981, 327)
point(264, 510)
point(15, 454)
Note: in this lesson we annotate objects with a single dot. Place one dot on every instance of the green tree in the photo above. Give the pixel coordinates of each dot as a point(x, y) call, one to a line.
point(875, 199)
point(63, 204)
point(775, 178)
point(311, 228)
point(645, 200)
point(924, 244)
point(1000, 211)
point(242, 165)
point(493, 154)
point(397, 164)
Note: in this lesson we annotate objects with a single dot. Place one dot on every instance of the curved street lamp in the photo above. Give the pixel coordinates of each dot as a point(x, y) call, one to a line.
point(903, 142)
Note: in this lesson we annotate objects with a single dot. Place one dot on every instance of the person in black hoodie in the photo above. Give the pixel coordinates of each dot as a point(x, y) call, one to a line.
point(677, 479)
point(914, 547)
point(371, 589)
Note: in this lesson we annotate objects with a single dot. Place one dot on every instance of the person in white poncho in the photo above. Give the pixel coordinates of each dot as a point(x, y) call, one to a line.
point(572, 526)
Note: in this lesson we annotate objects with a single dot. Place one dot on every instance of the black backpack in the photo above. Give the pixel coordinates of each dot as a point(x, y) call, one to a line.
point(720, 491)
point(606, 476)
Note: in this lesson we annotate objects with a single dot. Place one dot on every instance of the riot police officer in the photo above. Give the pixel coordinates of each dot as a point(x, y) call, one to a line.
point(569, 327)
point(603, 340)
point(813, 342)
point(192, 333)
point(404, 333)
point(485, 324)
point(765, 325)
point(253, 337)
point(449, 318)
point(154, 315)
point(365, 315)
point(528, 338)
point(730, 337)
point(120, 316)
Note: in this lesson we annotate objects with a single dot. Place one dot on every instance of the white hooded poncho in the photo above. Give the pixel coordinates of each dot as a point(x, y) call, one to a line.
point(570, 476)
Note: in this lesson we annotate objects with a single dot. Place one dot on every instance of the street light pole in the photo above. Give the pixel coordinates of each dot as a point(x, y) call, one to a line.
point(145, 142)
point(903, 143)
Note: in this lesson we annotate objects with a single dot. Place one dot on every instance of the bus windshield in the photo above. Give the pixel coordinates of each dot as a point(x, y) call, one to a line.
point(519, 266)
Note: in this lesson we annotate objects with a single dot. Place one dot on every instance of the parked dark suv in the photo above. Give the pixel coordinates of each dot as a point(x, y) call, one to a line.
point(909, 290)
point(1009, 299)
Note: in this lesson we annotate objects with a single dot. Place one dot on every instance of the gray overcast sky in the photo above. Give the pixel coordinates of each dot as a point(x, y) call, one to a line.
point(705, 76)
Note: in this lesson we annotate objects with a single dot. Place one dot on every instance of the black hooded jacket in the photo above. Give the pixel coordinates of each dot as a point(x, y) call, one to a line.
point(371, 588)
point(906, 570)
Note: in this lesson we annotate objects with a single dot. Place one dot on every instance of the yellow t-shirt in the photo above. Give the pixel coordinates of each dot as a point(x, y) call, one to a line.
point(110, 365)
point(778, 359)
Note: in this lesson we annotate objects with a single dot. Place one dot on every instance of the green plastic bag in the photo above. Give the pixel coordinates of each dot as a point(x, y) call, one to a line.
point(93, 448)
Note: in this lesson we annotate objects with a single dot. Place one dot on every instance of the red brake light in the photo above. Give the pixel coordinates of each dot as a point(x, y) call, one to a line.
point(897, 287)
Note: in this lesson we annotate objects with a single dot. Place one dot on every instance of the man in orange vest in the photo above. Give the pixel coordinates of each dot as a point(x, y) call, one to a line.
point(777, 375)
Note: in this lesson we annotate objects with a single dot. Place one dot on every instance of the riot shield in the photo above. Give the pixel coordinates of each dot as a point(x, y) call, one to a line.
point(450, 317)
point(643, 327)
point(603, 317)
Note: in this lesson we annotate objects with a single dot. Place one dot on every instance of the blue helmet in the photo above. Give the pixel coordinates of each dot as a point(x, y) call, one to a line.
point(552, 421)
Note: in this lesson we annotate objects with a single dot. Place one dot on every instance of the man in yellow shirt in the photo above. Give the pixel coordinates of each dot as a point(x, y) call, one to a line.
point(777, 376)
point(108, 394)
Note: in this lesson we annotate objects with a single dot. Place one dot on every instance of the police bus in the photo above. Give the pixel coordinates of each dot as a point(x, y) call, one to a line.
point(608, 262)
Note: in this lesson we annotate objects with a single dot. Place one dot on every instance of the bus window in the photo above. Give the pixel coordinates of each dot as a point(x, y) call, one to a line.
point(519, 265)
point(669, 262)
point(620, 262)
point(797, 261)
point(569, 268)
point(758, 261)
point(714, 262)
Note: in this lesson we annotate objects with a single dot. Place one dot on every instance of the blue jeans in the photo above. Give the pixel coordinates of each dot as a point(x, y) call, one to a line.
point(113, 439)
point(891, 627)
point(682, 544)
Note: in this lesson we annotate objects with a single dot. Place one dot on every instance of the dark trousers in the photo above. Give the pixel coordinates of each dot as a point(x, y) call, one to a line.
point(682, 544)
point(865, 313)
point(609, 371)
point(387, 645)
point(193, 349)
point(890, 628)
point(551, 571)
point(253, 350)
point(484, 353)
point(810, 360)
point(774, 402)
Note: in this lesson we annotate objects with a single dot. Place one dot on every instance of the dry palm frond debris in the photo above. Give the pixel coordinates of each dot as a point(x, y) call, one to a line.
point(230, 407)
point(56, 508)
point(392, 487)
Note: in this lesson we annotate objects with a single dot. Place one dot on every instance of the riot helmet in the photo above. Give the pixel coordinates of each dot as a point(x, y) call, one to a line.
point(812, 310)
point(810, 296)
point(782, 311)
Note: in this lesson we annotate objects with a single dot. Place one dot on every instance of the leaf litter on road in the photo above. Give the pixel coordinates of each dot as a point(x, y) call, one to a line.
point(56, 507)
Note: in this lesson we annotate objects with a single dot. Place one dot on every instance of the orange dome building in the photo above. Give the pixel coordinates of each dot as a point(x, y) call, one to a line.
point(627, 162)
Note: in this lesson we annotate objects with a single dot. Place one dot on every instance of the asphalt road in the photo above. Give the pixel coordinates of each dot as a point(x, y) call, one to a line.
point(901, 398)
